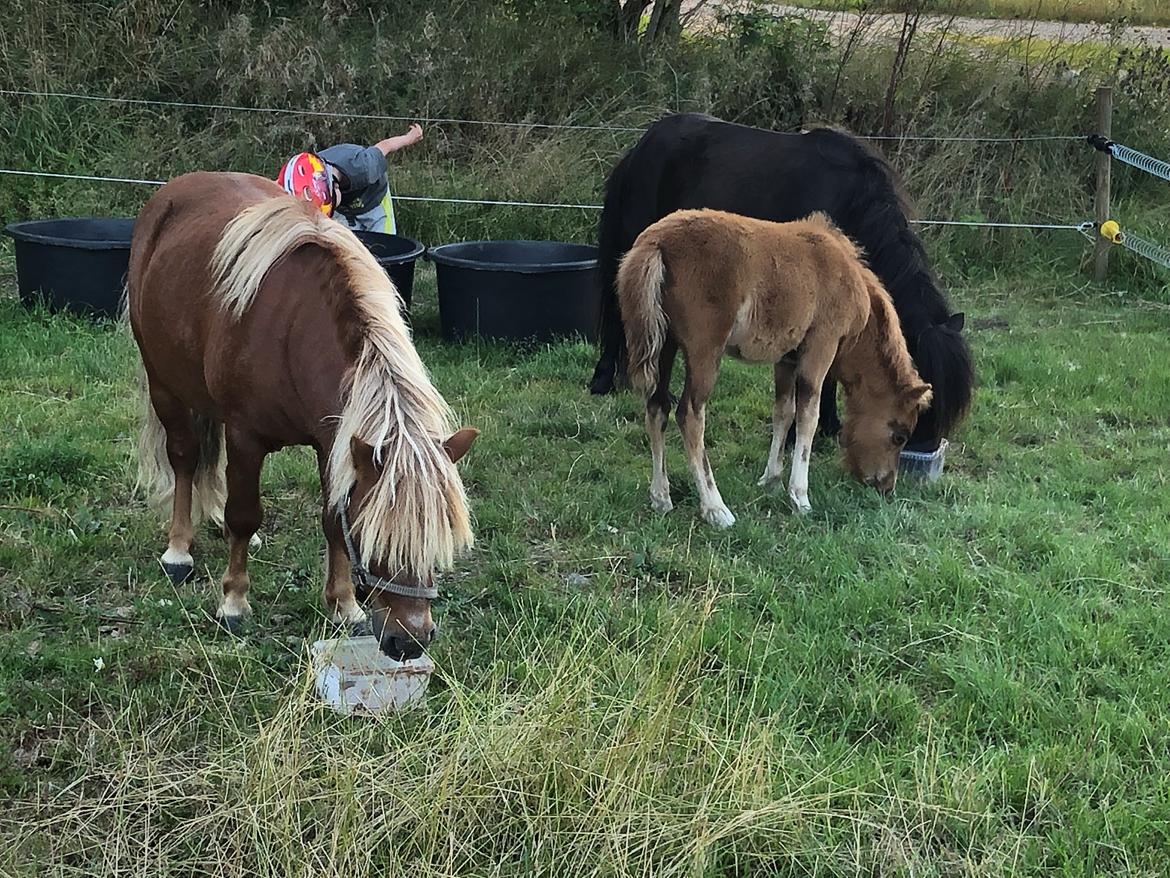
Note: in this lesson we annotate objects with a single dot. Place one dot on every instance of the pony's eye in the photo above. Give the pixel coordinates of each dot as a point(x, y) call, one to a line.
point(899, 438)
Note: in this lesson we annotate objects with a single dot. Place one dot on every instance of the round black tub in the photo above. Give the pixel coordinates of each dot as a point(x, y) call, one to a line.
point(517, 290)
point(74, 263)
point(397, 256)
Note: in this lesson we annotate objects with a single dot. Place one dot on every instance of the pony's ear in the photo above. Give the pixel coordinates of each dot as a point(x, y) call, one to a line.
point(919, 395)
point(459, 443)
point(362, 454)
point(956, 321)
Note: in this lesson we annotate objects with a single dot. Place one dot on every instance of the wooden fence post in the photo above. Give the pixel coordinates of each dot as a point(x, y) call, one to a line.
point(1101, 201)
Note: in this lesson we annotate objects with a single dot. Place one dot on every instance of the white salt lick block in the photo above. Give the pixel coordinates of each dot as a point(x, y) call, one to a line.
point(355, 677)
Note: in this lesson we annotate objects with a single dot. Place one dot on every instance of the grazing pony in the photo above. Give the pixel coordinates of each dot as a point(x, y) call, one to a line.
point(796, 295)
point(694, 161)
point(263, 324)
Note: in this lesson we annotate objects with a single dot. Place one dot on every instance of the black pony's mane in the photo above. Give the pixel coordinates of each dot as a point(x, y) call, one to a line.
point(878, 217)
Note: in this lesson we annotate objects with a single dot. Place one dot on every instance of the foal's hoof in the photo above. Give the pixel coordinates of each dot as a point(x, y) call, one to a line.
point(800, 503)
point(661, 504)
point(178, 573)
point(768, 481)
point(718, 516)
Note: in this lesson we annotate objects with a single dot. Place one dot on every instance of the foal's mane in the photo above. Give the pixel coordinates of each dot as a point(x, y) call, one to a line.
point(415, 517)
point(883, 326)
point(889, 344)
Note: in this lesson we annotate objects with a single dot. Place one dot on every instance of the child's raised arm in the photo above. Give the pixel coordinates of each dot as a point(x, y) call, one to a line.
point(393, 144)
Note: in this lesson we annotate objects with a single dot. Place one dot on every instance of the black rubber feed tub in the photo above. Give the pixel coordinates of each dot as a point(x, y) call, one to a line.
point(75, 263)
point(517, 290)
point(397, 256)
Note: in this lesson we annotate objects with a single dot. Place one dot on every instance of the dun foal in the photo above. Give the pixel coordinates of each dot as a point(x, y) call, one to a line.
point(796, 295)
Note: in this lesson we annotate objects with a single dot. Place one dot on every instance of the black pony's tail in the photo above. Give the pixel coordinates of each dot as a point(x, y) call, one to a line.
point(611, 364)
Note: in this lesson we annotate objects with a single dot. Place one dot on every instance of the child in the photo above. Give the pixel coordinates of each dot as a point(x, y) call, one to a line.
point(360, 191)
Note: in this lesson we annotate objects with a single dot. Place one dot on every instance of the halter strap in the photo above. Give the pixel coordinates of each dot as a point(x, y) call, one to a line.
point(363, 579)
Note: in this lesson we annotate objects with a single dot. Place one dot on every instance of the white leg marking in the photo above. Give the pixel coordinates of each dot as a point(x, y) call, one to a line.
point(177, 557)
point(349, 613)
point(712, 509)
point(798, 483)
point(659, 482)
point(233, 605)
point(718, 515)
point(806, 425)
point(782, 414)
point(711, 506)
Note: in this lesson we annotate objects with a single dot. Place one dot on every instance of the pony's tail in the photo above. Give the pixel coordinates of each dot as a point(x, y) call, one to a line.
point(155, 476)
point(611, 365)
point(640, 280)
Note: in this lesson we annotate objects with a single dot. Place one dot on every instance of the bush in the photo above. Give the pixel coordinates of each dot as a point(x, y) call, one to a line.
point(556, 63)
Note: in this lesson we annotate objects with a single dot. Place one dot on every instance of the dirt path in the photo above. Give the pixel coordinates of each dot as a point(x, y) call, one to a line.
point(891, 24)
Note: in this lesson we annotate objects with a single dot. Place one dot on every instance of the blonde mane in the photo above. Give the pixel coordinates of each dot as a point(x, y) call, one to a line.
point(415, 517)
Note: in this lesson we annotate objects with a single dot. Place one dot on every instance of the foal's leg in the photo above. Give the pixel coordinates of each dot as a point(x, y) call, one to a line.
point(182, 445)
point(815, 360)
point(692, 414)
point(338, 594)
point(242, 516)
point(657, 417)
point(783, 411)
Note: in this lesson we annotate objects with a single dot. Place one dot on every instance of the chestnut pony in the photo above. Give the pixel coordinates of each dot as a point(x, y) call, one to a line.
point(795, 295)
point(264, 324)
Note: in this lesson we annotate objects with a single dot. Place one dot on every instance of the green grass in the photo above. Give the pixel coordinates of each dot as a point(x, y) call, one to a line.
point(969, 680)
point(1140, 12)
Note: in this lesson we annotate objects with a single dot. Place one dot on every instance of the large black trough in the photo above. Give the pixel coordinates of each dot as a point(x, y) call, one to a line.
point(397, 256)
point(517, 290)
point(74, 263)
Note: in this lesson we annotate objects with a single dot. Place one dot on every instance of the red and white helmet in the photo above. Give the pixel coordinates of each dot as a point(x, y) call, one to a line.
point(307, 176)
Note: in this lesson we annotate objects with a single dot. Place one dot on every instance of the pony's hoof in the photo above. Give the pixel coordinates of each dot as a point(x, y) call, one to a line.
point(768, 481)
point(363, 628)
point(800, 503)
point(602, 381)
point(178, 573)
point(233, 625)
point(255, 542)
point(661, 504)
point(719, 516)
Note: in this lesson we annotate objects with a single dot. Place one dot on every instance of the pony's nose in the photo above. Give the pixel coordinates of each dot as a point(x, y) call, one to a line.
point(404, 647)
point(401, 648)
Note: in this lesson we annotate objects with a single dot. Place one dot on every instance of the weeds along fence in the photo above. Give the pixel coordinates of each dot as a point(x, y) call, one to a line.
point(1103, 230)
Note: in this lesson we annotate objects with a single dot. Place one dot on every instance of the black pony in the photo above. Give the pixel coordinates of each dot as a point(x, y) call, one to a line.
point(692, 160)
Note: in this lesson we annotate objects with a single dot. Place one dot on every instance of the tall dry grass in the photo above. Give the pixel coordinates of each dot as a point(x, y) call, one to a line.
point(605, 760)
